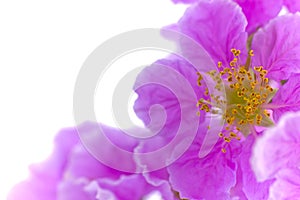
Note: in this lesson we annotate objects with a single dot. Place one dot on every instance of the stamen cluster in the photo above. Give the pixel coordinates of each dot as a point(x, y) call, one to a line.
point(246, 92)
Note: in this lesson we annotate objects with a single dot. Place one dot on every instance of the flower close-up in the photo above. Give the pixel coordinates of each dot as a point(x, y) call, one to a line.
point(72, 173)
point(276, 156)
point(258, 75)
point(231, 100)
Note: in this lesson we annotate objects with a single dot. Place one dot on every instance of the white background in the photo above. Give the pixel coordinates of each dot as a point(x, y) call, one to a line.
point(42, 47)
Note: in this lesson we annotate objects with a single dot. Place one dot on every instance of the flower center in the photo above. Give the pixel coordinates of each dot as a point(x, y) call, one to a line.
point(247, 90)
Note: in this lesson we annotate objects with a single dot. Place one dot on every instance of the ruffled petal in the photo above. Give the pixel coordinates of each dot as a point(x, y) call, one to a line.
point(70, 162)
point(287, 97)
point(287, 185)
point(259, 12)
point(171, 84)
point(135, 187)
point(70, 190)
point(210, 177)
point(278, 148)
point(277, 47)
point(252, 189)
point(83, 164)
point(292, 5)
point(218, 26)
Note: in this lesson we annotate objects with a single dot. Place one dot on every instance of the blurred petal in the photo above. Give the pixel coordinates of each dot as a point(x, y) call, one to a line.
point(70, 190)
point(277, 47)
point(33, 189)
point(292, 5)
point(287, 185)
point(46, 175)
point(251, 187)
point(83, 164)
point(134, 187)
point(278, 148)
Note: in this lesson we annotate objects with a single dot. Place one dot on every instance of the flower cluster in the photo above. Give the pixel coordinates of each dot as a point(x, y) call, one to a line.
point(254, 155)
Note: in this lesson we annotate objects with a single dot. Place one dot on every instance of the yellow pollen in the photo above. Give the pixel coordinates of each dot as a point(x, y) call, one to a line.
point(247, 90)
point(219, 64)
point(251, 53)
point(232, 63)
point(233, 51)
point(258, 69)
point(232, 134)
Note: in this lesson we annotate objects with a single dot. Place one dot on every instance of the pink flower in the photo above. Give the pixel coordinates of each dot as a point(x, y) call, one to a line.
point(72, 173)
point(267, 9)
point(276, 156)
point(219, 26)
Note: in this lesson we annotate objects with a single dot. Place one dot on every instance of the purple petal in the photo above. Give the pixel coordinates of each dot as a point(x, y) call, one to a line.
point(83, 164)
point(134, 187)
point(210, 177)
point(69, 190)
point(250, 186)
point(183, 78)
point(218, 26)
point(292, 5)
point(278, 148)
point(287, 185)
point(287, 97)
point(111, 146)
point(259, 12)
point(70, 161)
point(33, 189)
point(277, 47)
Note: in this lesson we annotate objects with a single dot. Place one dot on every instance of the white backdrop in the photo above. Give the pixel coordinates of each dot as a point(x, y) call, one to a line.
point(42, 47)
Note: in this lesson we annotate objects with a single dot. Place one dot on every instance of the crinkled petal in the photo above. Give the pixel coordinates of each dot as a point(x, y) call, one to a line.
point(134, 187)
point(287, 185)
point(70, 161)
point(70, 190)
point(218, 26)
point(278, 148)
point(292, 5)
point(98, 192)
point(277, 47)
point(179, 76)
point(252, 189)
point(111, 146)
point(287, 97)
point(259, 12)
point(82, 189)
point(210, 177)
point(83, 164)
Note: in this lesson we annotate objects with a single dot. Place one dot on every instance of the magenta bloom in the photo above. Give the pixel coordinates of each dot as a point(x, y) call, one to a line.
point(249, 79)
point(267, 9)
point(72, 173)
point(276, 156)
point(256, 56)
